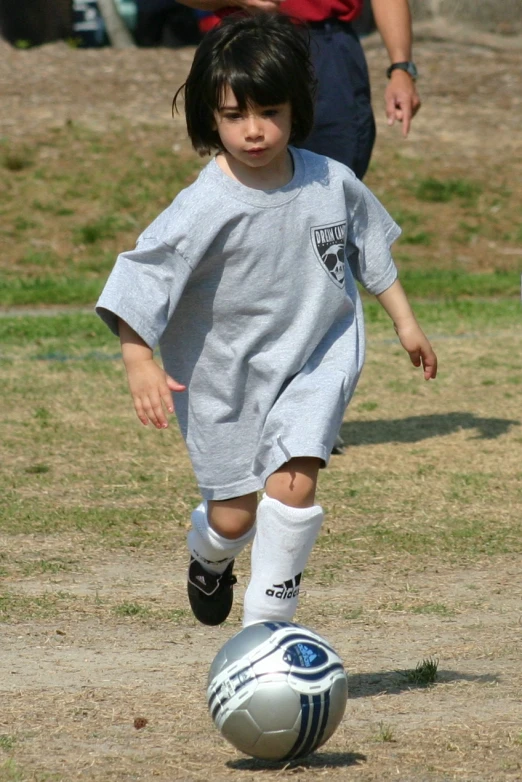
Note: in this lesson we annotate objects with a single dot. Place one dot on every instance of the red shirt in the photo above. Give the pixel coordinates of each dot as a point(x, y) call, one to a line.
point(307, 10)
point(319, 10)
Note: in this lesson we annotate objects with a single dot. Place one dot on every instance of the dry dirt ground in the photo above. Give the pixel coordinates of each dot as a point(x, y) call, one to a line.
point(71, 686)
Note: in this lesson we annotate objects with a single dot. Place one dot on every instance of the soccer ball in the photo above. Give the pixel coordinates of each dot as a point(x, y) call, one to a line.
point(277, 691)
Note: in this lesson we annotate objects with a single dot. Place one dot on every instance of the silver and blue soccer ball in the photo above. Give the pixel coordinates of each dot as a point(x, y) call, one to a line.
point(277, 691)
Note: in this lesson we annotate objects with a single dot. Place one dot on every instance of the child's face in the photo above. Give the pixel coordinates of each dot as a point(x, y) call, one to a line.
point(256, 137)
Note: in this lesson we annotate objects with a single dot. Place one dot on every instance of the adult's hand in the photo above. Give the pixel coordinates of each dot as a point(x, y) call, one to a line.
point(401, 99)
point(246, 5)
point(256, 5)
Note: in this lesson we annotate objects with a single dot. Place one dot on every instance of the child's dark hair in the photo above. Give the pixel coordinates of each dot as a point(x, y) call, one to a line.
point(265, 60)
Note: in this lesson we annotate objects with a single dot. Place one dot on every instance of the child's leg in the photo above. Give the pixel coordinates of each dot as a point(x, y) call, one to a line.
point(218, 535)
point(287, 525)
point(221, 530)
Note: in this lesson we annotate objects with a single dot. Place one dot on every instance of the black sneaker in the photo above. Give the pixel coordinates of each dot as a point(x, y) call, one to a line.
point(210, 594)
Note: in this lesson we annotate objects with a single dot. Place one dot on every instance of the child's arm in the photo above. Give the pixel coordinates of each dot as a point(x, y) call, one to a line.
point(412, 337)
point(149, 384)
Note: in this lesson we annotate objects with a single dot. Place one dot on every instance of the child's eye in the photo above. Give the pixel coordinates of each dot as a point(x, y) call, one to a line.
point(270, 112)
point(232, 115)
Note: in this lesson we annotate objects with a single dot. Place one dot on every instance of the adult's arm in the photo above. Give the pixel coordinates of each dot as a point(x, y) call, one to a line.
point(215, 5)
point(393, 20)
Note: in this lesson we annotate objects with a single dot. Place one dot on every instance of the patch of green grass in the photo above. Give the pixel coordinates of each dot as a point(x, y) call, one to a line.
point(44, 417)
point(48, 566)
point(424, 674)
point(444, 190)
point(37, 469)
point(453, 538)
point(104, 227)
point(353, 613)
point(454, 284)
point(71, 331)
point(48, 289)
point(420, 238)
point(469, 486)
point(385, 733)
point(447, 315)
point(368, 407)
point(17, 159)
point(40, 258)
point(466, 232)
point(132, 609)
point(23, 223)
point(7, 742)
point(406, 218)
point(51, 207)
point(13, 606)
point(145, 526)
point(10, 771)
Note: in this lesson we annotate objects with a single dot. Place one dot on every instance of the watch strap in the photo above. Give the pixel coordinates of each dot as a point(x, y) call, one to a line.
point(407, 66)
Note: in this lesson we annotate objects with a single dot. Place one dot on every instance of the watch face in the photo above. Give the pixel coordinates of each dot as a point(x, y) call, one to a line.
point(412, 70)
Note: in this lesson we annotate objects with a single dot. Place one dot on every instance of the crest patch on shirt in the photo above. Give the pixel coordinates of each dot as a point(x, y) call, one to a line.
point(328, 244)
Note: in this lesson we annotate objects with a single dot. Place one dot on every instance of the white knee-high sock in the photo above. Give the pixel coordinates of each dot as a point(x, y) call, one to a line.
point(209, 547)
point(284, 539)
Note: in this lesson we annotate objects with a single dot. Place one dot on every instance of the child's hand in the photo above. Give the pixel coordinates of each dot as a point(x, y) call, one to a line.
point(415, 342)
point(151, 388)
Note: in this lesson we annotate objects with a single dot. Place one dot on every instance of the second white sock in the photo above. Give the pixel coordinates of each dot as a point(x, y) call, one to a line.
point(284, 539)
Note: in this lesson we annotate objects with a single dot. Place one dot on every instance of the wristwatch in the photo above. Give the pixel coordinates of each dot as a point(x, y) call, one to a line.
point(409, 67)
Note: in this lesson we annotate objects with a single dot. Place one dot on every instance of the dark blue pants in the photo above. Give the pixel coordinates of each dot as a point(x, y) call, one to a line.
point(344, 127)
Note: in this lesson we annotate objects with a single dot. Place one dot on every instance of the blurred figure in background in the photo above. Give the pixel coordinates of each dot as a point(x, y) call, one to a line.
point(165, 23)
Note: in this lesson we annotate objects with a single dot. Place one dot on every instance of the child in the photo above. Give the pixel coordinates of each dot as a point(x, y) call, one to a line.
point(247, 282)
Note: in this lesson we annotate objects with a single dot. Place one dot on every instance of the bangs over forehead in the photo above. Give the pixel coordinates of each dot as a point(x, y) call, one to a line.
point(252, 78)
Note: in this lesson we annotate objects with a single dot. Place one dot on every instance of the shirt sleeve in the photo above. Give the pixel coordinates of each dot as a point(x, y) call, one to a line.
point(371, 232)
point(144, 288)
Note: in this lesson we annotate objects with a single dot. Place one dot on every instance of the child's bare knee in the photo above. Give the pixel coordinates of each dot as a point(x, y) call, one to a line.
point(233, 518)
point(295, 482)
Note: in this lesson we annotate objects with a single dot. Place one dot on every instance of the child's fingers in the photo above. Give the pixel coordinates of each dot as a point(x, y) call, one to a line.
point(153, 411)
point(138, 407)
point(415, 357)
point(174, 385)
point(429, 364)
point(166, 396)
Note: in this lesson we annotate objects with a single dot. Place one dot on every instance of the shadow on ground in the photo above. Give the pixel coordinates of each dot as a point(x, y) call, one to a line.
point(364, 685)
point(317, 761)
point(416, 428)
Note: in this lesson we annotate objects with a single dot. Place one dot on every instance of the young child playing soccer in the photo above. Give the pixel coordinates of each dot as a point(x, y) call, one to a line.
point(247, 282)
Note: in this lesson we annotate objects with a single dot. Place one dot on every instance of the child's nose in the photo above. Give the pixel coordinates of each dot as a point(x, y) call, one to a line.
point(254, 127)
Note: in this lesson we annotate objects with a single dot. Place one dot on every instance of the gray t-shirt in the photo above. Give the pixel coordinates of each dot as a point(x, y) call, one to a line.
point(251, 297)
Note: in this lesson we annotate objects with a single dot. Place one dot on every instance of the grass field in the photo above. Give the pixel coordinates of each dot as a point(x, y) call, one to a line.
point(418, 561)
point(64, 218)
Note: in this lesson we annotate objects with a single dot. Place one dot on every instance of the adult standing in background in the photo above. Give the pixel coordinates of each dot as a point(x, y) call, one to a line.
point(344, 126)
